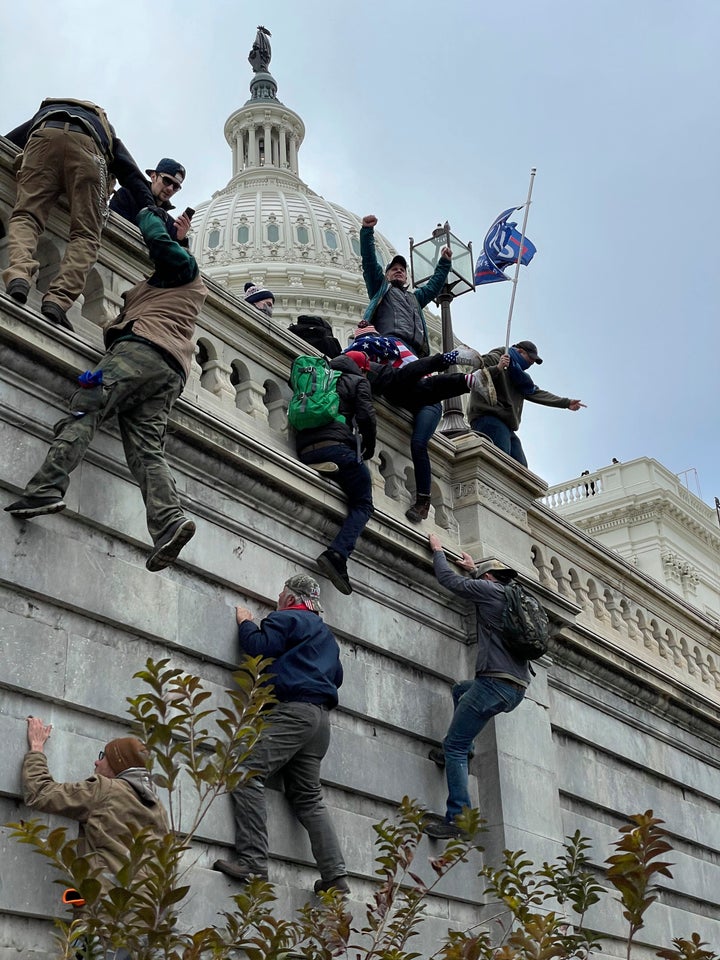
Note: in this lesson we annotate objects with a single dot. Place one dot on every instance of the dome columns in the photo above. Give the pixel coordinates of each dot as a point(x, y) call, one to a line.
point(264, 138)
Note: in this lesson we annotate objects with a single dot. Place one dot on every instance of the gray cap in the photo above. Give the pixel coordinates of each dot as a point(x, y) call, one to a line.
point(493, 566)
point(306, 589)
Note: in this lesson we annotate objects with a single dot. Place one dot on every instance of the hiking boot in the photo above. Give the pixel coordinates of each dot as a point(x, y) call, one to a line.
point(442, 830)
point(420, 509)
point(237, 871)
point(18, 289)
point(480, 382)
point(325, 466)
point(55, 314)
point(340, 884)
point(169, 544)
point(35, 506)
point(334, 566)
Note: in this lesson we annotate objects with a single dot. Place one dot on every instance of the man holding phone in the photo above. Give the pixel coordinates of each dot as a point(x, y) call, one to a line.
point(165, 181)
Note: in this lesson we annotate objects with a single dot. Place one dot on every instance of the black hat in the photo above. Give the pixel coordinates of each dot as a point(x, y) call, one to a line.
point(530, 349)
point(171, 168)
point(398, 258)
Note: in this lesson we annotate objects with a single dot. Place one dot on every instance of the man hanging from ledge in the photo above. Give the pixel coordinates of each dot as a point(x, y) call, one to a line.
point(306, 675)
point(112, 805)
point(150, 347)
point(69, 147)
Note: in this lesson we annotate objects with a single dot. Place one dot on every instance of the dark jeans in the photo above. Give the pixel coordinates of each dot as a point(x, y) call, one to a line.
point(476, 702)
point(354, 480)
point(140, 387)
point(425, 421)
point(501, 435)
point(295, 741)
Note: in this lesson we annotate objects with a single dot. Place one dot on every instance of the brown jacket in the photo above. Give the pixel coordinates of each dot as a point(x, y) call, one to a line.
point(164, 315)
point(109, 810)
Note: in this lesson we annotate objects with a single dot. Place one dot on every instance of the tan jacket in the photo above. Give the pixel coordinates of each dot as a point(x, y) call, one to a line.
point(108, 809)
point(164, 315)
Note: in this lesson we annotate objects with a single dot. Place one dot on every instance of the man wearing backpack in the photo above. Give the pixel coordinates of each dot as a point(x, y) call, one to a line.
point(347, 440)
point(500, 678)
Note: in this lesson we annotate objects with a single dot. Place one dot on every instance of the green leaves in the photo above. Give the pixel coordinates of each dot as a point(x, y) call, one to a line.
point(632, 869)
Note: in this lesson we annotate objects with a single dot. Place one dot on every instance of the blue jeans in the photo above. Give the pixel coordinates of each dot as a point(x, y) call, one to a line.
point(476, 702)
point(353, 478)
point(501, 435)
point(425, 421)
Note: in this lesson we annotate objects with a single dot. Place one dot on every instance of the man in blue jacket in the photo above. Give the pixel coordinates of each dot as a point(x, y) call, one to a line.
point(306, 676)
point(500, 679)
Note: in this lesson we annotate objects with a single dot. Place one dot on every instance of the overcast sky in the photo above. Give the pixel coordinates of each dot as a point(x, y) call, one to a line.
point(420, 112)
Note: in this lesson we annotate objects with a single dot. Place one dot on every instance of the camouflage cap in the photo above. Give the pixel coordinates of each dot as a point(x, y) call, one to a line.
point(306, 589)
point(494, 566)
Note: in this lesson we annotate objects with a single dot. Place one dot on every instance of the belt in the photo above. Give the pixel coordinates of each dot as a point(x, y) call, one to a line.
point(63, 125)
point(321, 446)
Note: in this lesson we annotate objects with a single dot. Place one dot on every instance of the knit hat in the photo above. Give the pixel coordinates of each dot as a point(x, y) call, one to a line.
point(254, 294)
point(361, 359)
point(305, 589)
point(494, 566)
point(377, 348)
point(171, 168)
point(125, 752)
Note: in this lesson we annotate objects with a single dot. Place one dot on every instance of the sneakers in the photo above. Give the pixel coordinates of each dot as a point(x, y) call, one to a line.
point(55, 314)
point(325, 466)
point(468, 358)
point(437, 755)
point(237, 871)
point(169, 545)
point(480, 382)
point(35, 506)
point(334, 566)
point(420, 509)
point(340, 884)
point(18, 289)
point(442, 830)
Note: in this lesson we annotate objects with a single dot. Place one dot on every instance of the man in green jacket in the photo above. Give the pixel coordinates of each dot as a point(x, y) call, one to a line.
point(394, 311)
point(150, 348)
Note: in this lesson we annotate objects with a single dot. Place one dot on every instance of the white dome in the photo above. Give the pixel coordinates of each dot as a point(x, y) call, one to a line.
point(267, 226)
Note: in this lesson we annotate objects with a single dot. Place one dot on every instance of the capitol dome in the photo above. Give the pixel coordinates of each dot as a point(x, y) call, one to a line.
point(269, 227)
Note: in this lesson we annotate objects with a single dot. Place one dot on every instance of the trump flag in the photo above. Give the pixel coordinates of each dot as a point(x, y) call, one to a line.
point(501, 248)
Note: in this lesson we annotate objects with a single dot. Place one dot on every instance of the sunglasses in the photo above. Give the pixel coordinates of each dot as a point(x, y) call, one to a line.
point(101, 755)
point(169, 182)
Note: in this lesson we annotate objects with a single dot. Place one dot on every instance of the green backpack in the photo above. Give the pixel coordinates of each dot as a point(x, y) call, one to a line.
point(315, 401)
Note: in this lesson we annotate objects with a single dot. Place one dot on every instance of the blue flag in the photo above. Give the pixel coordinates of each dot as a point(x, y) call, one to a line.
point(501, 248)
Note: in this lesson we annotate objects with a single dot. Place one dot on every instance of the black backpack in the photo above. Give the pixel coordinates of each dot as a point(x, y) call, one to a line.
point(525, 625)
point(318, 333)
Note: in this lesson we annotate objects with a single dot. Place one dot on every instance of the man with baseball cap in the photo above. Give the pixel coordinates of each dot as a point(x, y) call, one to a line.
point(496, 400)
point(113, 805)
point(306, 675)
point(165, 181)
point(500, 679)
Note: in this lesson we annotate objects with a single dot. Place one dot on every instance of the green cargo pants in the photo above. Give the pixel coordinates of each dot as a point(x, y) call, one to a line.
point(141, 388)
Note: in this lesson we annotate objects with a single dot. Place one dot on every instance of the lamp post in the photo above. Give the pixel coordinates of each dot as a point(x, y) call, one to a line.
point(424, 258)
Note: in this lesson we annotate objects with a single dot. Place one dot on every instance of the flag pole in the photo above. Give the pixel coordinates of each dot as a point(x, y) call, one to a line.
point(517, 265)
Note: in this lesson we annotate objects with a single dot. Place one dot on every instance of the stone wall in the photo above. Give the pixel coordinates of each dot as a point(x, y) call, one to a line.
point(621, 717)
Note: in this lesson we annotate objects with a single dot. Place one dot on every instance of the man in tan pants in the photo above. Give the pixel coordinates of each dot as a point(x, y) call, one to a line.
point(69, 148)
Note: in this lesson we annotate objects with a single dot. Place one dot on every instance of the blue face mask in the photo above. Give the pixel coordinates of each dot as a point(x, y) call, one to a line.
point(519, 359)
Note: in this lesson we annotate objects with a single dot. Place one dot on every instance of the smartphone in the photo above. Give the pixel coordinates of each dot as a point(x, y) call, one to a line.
point(189, 212)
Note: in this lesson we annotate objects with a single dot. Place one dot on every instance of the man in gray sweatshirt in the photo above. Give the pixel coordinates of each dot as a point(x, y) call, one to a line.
point(500, 679)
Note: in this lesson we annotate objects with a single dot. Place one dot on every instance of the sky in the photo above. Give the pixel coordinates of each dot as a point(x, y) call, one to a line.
point(421, 112)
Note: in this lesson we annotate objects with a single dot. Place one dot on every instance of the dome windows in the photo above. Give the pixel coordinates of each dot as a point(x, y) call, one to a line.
point(243, 233)
point(273, 233)
point(214, 238)
point(331, 239)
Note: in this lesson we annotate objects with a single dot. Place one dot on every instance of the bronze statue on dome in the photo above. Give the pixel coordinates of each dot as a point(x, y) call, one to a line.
point(259, 56)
